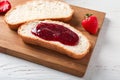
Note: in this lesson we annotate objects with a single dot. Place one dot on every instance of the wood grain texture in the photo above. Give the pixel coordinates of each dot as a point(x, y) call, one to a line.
point(12, 44)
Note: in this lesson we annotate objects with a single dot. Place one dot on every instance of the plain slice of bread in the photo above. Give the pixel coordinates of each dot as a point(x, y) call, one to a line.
point(77, 51)
point(38, 10)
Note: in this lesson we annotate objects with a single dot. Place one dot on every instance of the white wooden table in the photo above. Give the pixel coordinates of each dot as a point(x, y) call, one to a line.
point(105, 61)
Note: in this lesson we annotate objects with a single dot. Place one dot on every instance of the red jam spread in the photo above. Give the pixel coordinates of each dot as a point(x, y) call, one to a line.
point(55, 32)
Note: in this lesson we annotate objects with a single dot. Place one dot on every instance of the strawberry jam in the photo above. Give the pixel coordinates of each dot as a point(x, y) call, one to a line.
point(55, 32)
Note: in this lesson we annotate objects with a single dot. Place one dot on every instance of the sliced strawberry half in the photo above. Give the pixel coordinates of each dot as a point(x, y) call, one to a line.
point(4, 6)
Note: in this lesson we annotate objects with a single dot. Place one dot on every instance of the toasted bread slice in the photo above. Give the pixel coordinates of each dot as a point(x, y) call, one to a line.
point(77, 51)
point(38, 10)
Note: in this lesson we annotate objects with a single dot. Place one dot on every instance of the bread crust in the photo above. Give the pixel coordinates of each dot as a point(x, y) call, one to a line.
point(53, 47)
point(15, 26)
point(49, 45)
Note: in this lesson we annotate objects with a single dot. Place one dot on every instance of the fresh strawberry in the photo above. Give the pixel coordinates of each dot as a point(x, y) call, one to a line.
point(90, 24)
point(4, 6)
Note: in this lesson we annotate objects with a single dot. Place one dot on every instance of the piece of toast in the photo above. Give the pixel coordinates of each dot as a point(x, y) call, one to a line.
point(77, 51)
point(38, 10)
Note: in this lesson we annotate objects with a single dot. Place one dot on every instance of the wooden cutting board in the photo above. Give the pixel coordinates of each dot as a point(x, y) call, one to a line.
point(12, 44)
